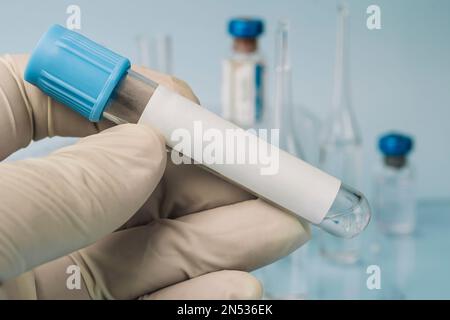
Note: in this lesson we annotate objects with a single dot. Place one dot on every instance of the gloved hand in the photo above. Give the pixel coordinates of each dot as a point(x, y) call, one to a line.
point(135, 224)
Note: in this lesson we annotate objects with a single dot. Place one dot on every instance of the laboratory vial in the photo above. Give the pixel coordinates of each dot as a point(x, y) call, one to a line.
point(394, 192)
point(98, 83)
point(243, 74)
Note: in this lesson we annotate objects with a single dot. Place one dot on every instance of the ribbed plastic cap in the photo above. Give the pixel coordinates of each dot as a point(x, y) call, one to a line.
point(246, 27)
point(395, 144)
point(75, 71)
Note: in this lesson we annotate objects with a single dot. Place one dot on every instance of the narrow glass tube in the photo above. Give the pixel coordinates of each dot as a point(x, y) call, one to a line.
point(283, 93)
point(349, 213)
point(341, 153)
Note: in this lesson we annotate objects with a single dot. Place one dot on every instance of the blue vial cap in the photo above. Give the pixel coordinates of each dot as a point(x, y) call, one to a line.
point(75, 71)
point(395, 144)
point(246, 27)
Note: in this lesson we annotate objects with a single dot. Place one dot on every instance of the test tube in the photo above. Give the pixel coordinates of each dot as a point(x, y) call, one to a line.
point(98, 83)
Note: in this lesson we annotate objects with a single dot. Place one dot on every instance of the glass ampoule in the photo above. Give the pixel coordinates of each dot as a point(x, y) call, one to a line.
point(299, 128)
point(283, 93)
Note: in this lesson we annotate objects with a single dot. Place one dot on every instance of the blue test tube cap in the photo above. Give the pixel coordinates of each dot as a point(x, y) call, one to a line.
point(75, 71)
point(395, 144)
point(245, 27)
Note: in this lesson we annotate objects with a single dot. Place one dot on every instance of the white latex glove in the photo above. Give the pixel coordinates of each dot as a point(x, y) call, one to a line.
point(180, 232)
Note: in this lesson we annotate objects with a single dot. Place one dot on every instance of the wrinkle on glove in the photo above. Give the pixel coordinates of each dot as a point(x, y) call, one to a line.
point(57, 204)
point(225, 284)
point(16, 114)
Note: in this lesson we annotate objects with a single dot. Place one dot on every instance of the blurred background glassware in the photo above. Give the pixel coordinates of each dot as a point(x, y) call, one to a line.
point(299, 132)
point(243, 89)
point(338, 281)
point(394, 192)
point(283, 92)
point(307, 127)
point(299, 127)
point(287, 279)
point(341, 145)
point(398, 267)
point(155, 52)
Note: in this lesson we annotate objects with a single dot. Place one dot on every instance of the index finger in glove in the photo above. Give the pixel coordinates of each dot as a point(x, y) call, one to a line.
point(27, 114)
point(55, 205)
point(219, 285)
